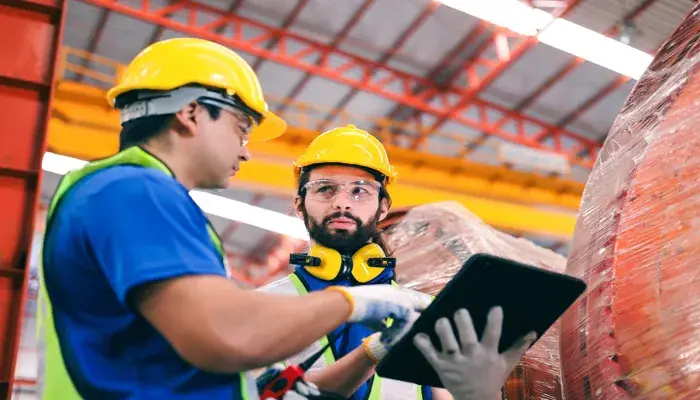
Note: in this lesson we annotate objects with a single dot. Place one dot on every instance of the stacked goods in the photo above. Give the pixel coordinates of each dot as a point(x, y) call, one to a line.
point(637, 244)
point(431, 243)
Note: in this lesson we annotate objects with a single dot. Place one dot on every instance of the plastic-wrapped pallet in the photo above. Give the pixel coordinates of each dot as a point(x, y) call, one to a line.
point(431, 243)
point(637, 244)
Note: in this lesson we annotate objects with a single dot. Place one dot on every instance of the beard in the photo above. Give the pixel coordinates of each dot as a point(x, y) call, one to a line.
point(342, 240)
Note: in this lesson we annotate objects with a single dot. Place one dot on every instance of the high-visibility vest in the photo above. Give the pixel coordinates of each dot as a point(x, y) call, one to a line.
point(53, 380)
point(382, 388)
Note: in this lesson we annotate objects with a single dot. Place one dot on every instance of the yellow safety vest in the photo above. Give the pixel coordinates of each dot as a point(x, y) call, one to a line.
point(382, 388)
point(54, 381)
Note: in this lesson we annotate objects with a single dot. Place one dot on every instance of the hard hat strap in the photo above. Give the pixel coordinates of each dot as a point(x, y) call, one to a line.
point(150, 103)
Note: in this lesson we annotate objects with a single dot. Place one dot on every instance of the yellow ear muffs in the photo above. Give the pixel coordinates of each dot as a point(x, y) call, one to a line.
point(327, 264)
point(330, 263)
point(369, 262)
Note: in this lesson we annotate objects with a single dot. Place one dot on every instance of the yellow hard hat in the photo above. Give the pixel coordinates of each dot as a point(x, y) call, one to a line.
point(347, 145)
point(171, 64)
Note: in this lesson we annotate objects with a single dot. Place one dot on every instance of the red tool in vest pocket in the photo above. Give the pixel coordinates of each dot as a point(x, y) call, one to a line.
point(277, 383)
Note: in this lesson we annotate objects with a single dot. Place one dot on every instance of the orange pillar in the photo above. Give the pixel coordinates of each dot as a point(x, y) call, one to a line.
point(31, 35)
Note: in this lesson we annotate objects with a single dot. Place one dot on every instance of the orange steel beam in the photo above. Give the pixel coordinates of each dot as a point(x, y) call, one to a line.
point(596, 97)
point(27, 74)
point(561, 74)
point(442, 74)
point(96, 128)
point(286, 24)
point(558, 77)
point(302, 53)
point(587, 104)
point(85, 127)
point(337, 40)
point(104, 73)
point(576, 61)
point(428, 10)
point(491, 59)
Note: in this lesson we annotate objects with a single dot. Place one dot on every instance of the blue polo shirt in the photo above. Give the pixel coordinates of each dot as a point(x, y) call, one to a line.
point(113, 231)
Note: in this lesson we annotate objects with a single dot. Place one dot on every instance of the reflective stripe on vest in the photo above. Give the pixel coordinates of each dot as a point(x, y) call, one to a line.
point(382, 388)
point(53, 380)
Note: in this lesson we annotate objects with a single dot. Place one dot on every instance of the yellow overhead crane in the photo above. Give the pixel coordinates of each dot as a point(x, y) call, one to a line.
point(85, 127)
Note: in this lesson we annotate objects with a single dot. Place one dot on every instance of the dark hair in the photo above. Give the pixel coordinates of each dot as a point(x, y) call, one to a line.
point(379, 237)
point(140, 131)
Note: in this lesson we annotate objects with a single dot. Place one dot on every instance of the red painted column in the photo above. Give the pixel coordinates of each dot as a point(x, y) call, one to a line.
point(31, 33)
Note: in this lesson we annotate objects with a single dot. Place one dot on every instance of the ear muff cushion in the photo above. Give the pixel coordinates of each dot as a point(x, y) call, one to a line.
point(330, 263)
point(362, 272)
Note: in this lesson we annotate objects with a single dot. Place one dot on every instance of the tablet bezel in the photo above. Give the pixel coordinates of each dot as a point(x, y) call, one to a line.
point(533, 312)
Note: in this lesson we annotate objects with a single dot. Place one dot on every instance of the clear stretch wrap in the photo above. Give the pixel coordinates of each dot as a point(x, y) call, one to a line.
point(431, 243)
point(636, 333)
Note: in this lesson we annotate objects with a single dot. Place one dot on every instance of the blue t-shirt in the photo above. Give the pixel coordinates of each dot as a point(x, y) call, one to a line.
point(113, 231)
point(348, 337)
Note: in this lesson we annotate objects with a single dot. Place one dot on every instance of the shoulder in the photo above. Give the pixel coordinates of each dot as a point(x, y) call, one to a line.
point(136, 178)
point(122, 195)
point(124, 185)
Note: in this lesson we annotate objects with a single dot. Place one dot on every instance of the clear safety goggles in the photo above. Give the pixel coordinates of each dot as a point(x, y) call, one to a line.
point(243, 123)
point(148, 103)
point(327, 189)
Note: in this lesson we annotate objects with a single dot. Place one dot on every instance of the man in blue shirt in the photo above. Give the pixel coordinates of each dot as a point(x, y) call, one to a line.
point(135, 288)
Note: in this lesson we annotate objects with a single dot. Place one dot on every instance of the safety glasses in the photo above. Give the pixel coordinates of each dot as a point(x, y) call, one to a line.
point(244, 123)
point(327, 189)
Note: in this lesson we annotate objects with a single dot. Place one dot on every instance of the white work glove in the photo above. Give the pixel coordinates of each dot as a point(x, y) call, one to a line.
point(373, 304)
point(470, 370)
point(377, 346)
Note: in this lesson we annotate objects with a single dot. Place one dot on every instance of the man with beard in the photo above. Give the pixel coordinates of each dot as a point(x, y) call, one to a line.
point(341, 197)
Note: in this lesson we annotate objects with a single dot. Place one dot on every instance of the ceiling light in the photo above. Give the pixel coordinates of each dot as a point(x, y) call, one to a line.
point(596, 48)
point(559, 33)
point(210, 203)
point(248, 214)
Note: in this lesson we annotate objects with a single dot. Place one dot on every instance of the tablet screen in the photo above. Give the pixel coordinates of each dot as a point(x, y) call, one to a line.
point(532, 300)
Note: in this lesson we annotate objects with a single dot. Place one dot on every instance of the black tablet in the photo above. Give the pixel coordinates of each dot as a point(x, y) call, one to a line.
point(532, 300)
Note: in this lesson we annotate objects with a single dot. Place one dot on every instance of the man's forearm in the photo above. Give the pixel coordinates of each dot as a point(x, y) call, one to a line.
point(346, 375)
point(218, 327)
point(273, 327)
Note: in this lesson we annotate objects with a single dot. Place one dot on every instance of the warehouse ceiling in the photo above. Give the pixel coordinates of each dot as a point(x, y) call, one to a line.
point(419, 74)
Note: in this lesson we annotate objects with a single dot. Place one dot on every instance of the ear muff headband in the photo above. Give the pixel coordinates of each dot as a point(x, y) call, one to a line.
point(327, 264)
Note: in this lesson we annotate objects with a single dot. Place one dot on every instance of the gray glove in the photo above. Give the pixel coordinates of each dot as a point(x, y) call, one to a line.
point(469, 369)
point(377, 345)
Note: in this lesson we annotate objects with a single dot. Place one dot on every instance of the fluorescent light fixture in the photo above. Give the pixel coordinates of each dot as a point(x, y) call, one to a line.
point(248, 214)
point(510, 14)
point(596, 48)
point(559, 33)
point(59, 164)
point(210, 203)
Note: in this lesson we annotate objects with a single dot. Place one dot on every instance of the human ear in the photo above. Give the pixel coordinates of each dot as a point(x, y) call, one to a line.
point(383, 209)
point(186, 119)
point(298, 206)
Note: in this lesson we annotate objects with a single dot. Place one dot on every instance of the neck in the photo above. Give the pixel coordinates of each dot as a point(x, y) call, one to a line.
point(176, 162)
point(343, 251)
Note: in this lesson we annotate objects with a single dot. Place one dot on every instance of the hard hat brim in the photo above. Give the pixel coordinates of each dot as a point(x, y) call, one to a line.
point(271, 127)
point(299, 165)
